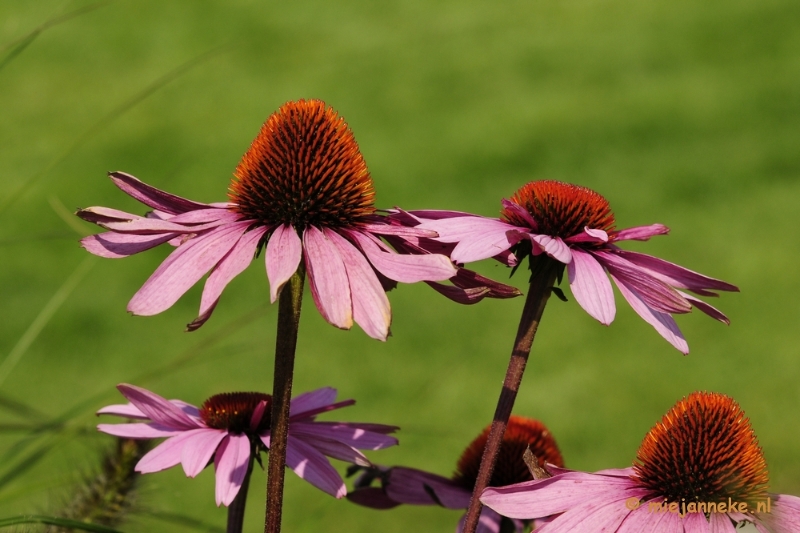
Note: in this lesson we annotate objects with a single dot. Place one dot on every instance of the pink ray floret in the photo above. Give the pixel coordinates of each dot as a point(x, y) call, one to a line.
point(191, 442)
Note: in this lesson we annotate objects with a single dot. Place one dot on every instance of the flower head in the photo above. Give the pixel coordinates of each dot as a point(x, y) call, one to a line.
point(233, 428)
point(699, 469)
point(401, 485)
point(574, 226)
point(302, 192)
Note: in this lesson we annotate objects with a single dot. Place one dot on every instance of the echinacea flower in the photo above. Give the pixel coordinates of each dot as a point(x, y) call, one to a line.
point(303, 192)
point(401, 485)
point(699, 470)
point(575, 226)
point(233, 428)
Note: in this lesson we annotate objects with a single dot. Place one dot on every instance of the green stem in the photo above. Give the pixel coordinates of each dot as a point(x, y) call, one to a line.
point(291, 299)
point(539, 292)
point(236, 508)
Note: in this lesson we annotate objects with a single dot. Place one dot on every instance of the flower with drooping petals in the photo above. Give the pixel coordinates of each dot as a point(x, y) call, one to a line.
point(573, 225)
point(401, 485)
point(233, 428)
point(303, 192)
point(703, 452)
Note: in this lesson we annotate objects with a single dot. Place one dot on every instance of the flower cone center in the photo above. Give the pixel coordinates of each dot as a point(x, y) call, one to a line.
point(703, 450)
point(561, 209)
point(510, 468)
point(303, 168)
point(233, 411)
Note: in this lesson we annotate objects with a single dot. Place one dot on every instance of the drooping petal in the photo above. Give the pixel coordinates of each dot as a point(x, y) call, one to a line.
point(371, 308)
point(591, 287)
point(641, 233)
point(597, 514)
point(113, 245)
point(676, 275)
point(230, 465)
point(150, 196)
point(146, 225)
point(416, 487)
point(695, 523)
point(355, 437)
point(137, 431)
point(710, 310)
point(312, 466)
point(477, 237)
point(284, 251)
point(588, 235)
point(553, 246)
point(128, 410)
point(197, 452)
point(720, 523)
point(401, 267)
point(785, 515)
point(309, 415)
point(168, 453)
point(206, 216)
point(372, 497)
point(183, 268)
point(663, 323)
point(328, 279)
point(156, 408)
point(98, 214)
point(333, 448)
point(311, 400)
point(639, 520)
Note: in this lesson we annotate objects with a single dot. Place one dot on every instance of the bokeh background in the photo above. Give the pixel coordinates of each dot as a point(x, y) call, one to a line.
point(680, 112)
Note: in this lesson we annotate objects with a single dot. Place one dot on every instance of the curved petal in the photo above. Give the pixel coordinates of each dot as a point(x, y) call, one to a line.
point(328, 279)
point(371, 308)
point(127, 410)
point(521, 212)
point(372, 497)
point(150, 196)
point(349, 434)
point(333, 448)
point(284, 251)
point(598, 514)
point(156, 408)
point(710, 310)
point(230, 465)
point(403, 267)
point(312, 466)
point(591, 287)
point(588, 235)
point(477, 237)
point(197, 452)
point(168, 453)
point(183, 268)
point(137, 431)
point(785, 515)
point(112, 245)
point(309, 401)
point(553, 246)
point(676, 275)
point(641, 233)
point(416, 487)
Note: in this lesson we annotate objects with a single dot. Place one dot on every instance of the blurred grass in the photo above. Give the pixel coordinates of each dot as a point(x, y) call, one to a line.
point(678, 112)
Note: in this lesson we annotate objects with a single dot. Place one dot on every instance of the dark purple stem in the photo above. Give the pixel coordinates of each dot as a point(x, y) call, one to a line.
point(538, 294)
point(236, 508)
point(289, 304)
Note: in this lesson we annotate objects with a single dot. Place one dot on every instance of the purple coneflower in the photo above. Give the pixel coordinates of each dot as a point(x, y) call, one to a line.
point(575, 226)
point(400, 485)
point(233, 428)
point(303, 192)
point(699, 470)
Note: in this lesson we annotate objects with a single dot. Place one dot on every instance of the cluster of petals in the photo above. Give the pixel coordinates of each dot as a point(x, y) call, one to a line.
point(348, 267)
point(193, 444)
point(612, 501)
point(654, 288)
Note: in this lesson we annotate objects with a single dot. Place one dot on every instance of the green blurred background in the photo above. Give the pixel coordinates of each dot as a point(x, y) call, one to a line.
point(680, 112)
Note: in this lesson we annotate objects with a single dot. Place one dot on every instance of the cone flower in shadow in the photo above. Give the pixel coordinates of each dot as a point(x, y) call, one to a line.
point(699, 470)
point(575, 227)
point(232, 428)
point(303, 192)
point(401, 485)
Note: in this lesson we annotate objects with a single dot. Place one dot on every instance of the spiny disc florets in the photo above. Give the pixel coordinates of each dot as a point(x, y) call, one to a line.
point(703, 450)
point(561, 209)
point(304, 168)
point(521, 433)
point(233, 411)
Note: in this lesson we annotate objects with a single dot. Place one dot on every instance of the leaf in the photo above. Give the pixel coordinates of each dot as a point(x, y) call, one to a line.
point(55, 521)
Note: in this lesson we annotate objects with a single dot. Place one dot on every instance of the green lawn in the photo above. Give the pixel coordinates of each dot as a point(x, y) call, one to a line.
point(684, 113)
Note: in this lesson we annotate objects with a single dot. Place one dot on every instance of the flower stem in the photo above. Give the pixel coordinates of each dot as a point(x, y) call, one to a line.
point(236, 508)
point(289, 304)
point(539, 292)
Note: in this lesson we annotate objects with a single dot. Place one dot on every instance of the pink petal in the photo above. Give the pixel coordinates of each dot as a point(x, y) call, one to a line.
point(113, 245)
point(521, 212)
point(99, 214)
point(197, 452)
point(591, 287)
point(400, 267)
point(676, 275)
point(696, 523)
point(328, 279)
point(229, 267)
point(554, 247)
point(588, 235)
point(230, 464)
point(157, 408)
point(641, 233)
point(205, 216)
point(785, 515)
point(137, 431)
point(309, 415)
point(642, 519)
point(183, 268)
point(127, 410)
point(488, 522)
point(371, 308)
point(400, 231)
point(372, 497)
point(142, 225)
point(477, 237)
point(414, 487)
point(351, 436)
point(284, 251)
point(168, 453)
point(332, 448)
point(151, 196)
point(313, 467)
point(312, 400)
point(720, 523)
point(663, 323)
point(710, 310)
point(258, 414)
point(598, 514)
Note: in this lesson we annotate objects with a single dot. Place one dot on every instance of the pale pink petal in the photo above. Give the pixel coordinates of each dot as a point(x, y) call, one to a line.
point(588, 235)
point(311, 400)
point(696, 523)
point(309, 415)
point(663, 323)
point(352, 436)
point(127, 410)
point(371, 308)
point(328, 279)
point(197, 452)
point(137, 431)
point(785, 515)
point(187, 408)
point(710, 310)
point(676, 275)
point(399, 231)
point(595, 515)
point(229, 267)
point(521, 212)
point(183, 268)
point(156, 408)
point(313, 467)
point(230, 464)
point(334, 449)
point(641, 233)
point(720, 523)
point(113, 245)
point(168, 453)
point(433, 214)
point(477, 237)
point(639, 520)
point(151, 196)
point(401, 267)
point(591, 287)
point(553, 246)
point(415, 487)
point(143, 225)
point(284, 251)
point(98, 214)
point(204, 216)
